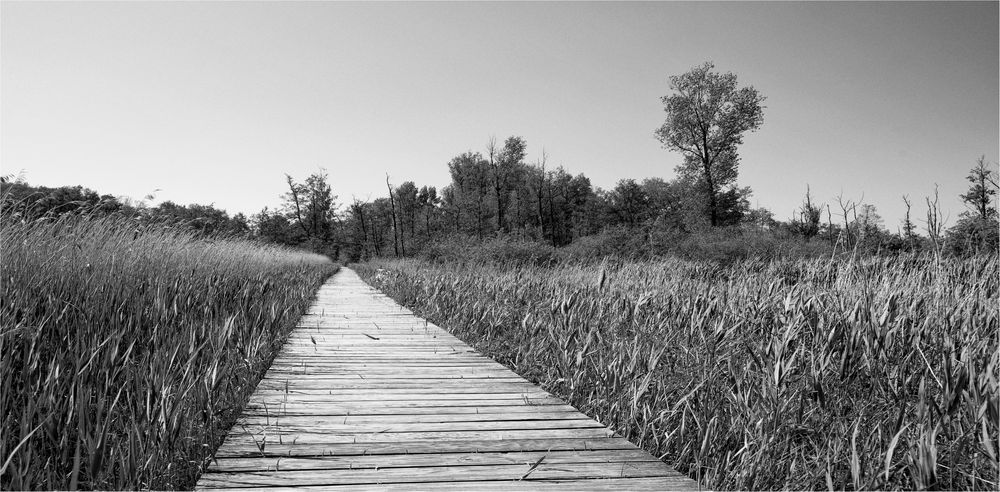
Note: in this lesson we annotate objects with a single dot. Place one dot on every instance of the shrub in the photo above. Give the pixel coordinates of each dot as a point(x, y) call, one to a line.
point(498, 249)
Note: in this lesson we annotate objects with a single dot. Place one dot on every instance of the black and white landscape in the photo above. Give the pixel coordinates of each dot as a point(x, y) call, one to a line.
point(499, 246)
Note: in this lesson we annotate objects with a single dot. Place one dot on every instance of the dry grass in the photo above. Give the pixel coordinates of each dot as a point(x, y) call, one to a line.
point(874, 374)
point(127, 349)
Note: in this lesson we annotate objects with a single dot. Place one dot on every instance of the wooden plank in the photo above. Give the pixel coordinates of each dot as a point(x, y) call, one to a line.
point(341, 407)
point(366, 396)
point(585, 485)
point(405, 410)
point(432, 393)
point(318, 420)
point(276, 398)
point(246, 448)
point(340, 379)
point(435, 474)
point(320, 437)
point(437, 459)
point(348, 426)
point(355, 384)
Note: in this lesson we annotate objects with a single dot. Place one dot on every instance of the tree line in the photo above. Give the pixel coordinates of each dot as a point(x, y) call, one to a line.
point(21, 201)
point(509, 197)
point(495, 192)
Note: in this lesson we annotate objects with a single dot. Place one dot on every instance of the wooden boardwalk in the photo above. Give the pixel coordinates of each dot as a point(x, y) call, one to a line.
point(367, 396)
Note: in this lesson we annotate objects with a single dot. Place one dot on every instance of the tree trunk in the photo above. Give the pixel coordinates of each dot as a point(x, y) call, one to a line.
point(491, 149)
point(395, 228)
point(427, 217)
point(713, 215)
point(364, 228)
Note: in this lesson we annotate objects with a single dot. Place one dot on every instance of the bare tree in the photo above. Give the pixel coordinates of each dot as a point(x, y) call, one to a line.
point(395, 227)
point(935, 221)
point(909, 229)
point(295, 192)
point(829, 224)
point(846, 207)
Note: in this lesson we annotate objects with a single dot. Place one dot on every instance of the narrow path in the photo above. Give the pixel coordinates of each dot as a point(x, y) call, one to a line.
point(367, 396)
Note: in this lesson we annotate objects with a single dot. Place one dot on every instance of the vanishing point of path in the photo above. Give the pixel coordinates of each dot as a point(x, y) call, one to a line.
point(367, 396)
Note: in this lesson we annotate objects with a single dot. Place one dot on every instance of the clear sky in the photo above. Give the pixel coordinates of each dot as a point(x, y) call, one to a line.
point(215, 102)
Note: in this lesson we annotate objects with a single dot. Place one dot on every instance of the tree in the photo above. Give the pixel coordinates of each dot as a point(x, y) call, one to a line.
point(537, 184)
point(666, 203)
point(846, 208)
point(760, 218)
point(469, 193)
point(380, 225)
point(935, 221)
point(503, 163)
point(361, 230)
point(979, 198)
point(977, 229)
point(868, 224)
point(706, 119)
point(629, 203)
point(407, 206)
point(579, 196)
point(26, 201)
point(909, 228)
point(312, 207)
point(428, 199)
point(396, 244)
point(204, 219)
point(807, 223)
point(275, 228)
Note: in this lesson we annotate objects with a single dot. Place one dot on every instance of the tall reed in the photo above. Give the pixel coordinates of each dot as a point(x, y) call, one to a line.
point(878, 373)
point(127, 349)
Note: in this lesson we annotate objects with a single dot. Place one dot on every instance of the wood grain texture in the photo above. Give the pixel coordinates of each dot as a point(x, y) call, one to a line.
point(367, 396)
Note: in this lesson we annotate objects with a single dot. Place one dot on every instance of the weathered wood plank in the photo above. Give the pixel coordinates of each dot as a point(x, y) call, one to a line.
point(306, 385)
point(246, 448)
point(320, 437)
point(347, 426)
point(276, 398)
point(366, 396)
point(436, 474)
point(446, 406)
point(318, 420)
point(374, 409)
point(436, 459)
point(584, 485)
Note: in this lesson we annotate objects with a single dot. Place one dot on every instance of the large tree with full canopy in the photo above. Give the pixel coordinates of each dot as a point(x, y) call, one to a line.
point(707, 116)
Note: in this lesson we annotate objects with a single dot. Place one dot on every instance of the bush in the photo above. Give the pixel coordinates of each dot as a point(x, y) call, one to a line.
point(721, 244)
point(974, 235)
point(616, 242)
point(498, 249)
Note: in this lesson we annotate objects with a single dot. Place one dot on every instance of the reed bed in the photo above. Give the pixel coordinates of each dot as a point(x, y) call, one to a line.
point(128, 349)
point(880, 373)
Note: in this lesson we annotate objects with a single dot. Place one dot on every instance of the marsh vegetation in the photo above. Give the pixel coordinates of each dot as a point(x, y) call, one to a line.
point(858, 374)
point(128, 347)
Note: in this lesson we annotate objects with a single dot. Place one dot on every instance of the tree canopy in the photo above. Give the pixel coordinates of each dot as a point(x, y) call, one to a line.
point(707, 116)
